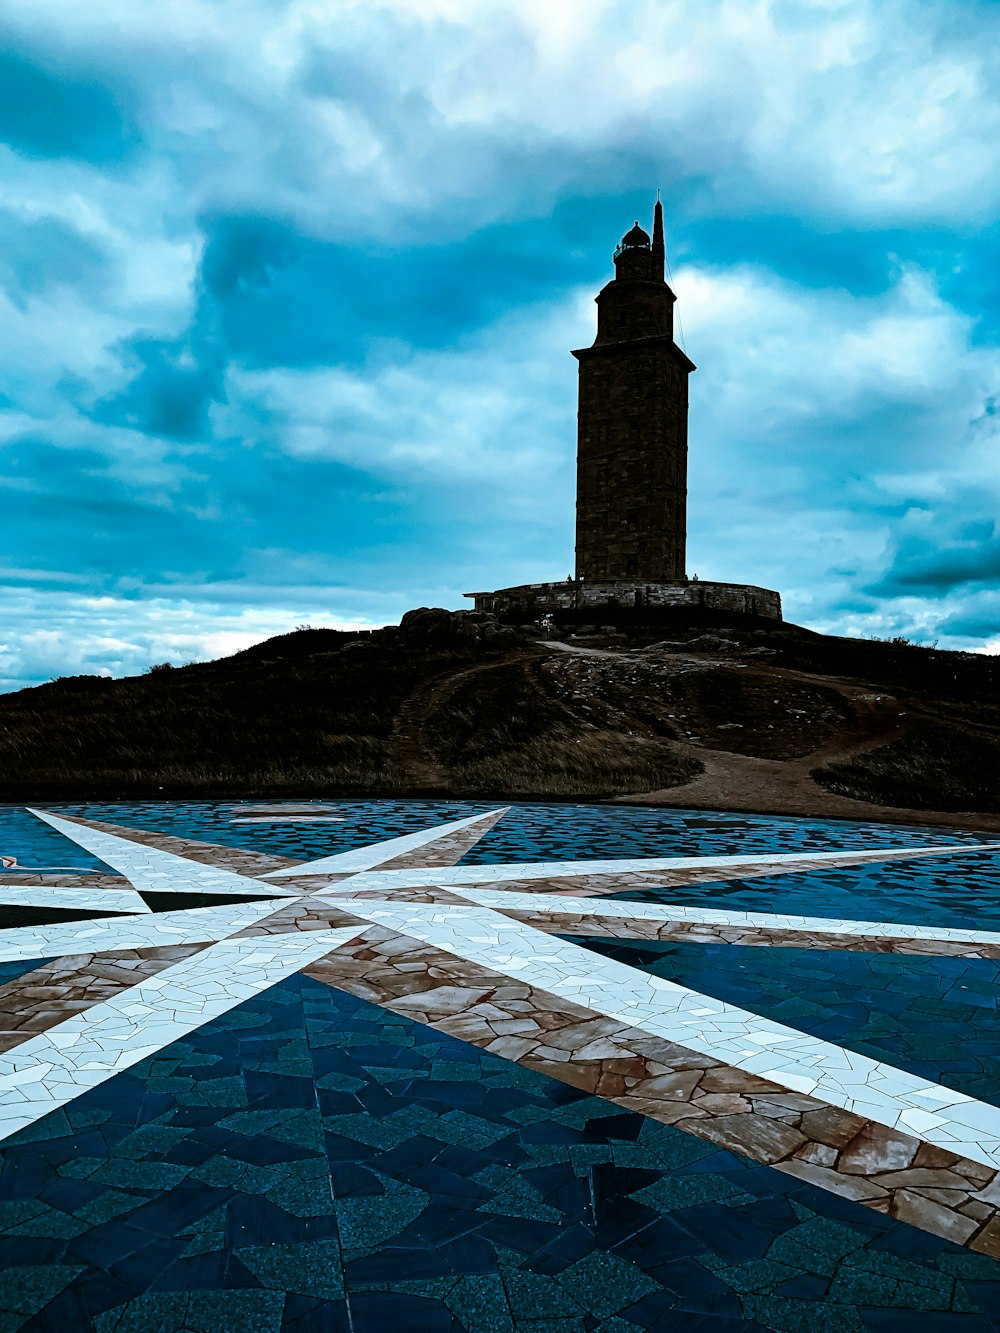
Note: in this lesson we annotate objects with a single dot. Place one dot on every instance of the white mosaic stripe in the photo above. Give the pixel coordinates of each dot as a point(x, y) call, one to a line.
point(150, 869)
point(449, 876)
point(288, 819)
point(562, 904)
point(792, 1059)
point(365, 858)
point(78, 899)
point(197, 925)
point(53, 1068)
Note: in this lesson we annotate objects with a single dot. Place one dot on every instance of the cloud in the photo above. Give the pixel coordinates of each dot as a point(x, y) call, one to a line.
point(172, 392)
point(938, 561)
point(292, 310)
point(111, 636)
point(56, 113)
point(37, 254)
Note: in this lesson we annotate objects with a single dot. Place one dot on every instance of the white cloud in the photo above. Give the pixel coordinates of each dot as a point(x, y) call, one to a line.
point(111, 636)
point(865, 108)
point(497, 409)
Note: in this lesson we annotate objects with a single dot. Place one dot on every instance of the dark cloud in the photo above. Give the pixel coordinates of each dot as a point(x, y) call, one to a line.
point(270, 296)
point(39, 253)
point(276, 297)
point(170, 396)
point(970, 279)
point(796, 249)
point(968, 557)
point(110, 524)
point(212, 525)
point(971, 625)
point(50, 113)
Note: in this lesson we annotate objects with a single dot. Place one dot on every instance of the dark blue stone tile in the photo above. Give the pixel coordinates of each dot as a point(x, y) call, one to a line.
point(900, 1320)
point(375, 1312)
point(305, 1314)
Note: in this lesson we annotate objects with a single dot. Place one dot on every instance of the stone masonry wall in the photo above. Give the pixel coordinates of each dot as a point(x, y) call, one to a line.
point(738, 598)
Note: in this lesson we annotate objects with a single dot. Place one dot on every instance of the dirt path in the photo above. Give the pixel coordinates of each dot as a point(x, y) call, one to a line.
point(783, 787)
point(748, 784)
point(745, 783)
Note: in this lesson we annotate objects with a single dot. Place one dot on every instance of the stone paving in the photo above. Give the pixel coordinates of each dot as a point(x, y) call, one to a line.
point(443, 1067)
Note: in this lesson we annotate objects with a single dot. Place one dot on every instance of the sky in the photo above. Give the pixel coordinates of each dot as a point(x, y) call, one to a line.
point(289, 289)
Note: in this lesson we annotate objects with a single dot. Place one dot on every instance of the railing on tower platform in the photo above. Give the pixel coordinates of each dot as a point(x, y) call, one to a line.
point(621, 247)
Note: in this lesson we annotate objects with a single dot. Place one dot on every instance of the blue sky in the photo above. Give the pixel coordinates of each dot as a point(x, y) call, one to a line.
point(289, 290)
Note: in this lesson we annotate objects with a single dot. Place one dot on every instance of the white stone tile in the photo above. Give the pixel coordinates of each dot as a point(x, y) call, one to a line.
point(150, 869)
point(51, 1069)
point(84, 899)
point(153, 930)
point(364, 858)
point(604, 873)
point(558, 904)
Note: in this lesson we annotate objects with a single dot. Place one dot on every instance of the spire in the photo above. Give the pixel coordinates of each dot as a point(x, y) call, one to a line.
point(658, 250)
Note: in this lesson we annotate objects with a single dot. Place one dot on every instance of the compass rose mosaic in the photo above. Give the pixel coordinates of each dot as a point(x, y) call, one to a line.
point(558, 1068)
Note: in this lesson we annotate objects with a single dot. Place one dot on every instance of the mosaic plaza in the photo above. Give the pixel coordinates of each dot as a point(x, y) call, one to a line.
point(431, 1066)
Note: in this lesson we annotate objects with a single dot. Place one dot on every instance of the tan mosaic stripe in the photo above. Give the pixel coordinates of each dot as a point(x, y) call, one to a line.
point(56, 880)
point(208, 853)
point(40, 999)
point(446, 851)
point(893, 1173)
point(609, 882)
point(699, 932)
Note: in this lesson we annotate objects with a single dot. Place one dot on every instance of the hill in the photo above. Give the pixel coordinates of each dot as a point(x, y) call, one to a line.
point(726, 715)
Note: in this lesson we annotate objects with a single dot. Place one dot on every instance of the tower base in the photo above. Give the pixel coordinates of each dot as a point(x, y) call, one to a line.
point(531, 599)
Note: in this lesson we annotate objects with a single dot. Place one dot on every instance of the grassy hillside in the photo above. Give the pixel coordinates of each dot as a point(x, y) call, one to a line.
point(452, 702)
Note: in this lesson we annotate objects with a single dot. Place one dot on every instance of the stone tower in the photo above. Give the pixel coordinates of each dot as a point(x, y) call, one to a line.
point(631, 519)
point(631, 493)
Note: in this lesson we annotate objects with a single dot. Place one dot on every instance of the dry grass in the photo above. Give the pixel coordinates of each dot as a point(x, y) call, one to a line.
point(505, 731)
point(564, 763)
point(932, 767)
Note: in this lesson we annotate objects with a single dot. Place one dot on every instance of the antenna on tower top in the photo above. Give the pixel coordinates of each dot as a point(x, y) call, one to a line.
point(658, 248)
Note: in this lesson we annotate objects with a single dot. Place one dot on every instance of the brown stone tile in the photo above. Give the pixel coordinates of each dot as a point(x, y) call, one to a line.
point(561, 923)
point(848, 1187)
point(830, 1126)
point(37, 879)
point(584, 885)
point(980, 1211)
point(915, 1207)
point(429, 893)
point(299, 914)
point(208, 853)
point(444, 851)
point(876, 1148)
point(38, 1000)
point(987, 1240)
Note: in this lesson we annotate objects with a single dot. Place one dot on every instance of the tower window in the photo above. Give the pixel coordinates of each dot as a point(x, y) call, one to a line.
point(632, 517)
point(623, 319)
point(631, 565)
point(633, 428)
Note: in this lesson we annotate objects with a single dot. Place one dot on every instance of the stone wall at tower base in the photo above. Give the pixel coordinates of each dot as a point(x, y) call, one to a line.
point(684, 595)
